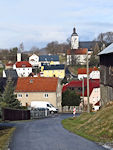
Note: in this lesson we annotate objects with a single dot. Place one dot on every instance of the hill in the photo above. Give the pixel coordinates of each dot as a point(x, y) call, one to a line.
point(94, 126)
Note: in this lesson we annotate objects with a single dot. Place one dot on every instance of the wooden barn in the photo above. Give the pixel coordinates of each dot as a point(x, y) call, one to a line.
point(106, 74)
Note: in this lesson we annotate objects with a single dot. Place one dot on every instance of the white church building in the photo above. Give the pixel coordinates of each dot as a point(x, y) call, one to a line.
point(76, 53)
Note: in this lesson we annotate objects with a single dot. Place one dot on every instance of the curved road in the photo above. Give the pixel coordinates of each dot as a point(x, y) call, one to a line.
point(48, 134)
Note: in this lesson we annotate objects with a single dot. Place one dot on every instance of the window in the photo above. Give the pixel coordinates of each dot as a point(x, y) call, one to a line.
point(26, 95)
point(46, 95)
point(19, 95)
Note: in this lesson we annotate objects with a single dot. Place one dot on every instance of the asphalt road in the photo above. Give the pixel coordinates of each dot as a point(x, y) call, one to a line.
point(48, 134)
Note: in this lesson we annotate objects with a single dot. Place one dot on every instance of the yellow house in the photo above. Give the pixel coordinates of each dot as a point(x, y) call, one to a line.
point(30, 89)
point(53, 71)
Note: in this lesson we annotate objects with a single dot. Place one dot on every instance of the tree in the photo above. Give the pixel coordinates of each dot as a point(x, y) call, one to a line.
point(21, 47)
point(13, 54)
point(94, 60)
point(70, 98)
point(9, 97)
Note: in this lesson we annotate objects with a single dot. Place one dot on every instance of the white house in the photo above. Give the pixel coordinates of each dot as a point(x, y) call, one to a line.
point(23, 68)
point(94, 73)
point(34, 60)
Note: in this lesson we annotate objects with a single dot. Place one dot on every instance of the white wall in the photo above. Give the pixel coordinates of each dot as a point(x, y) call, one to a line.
point(95, 75)
point(34, 60)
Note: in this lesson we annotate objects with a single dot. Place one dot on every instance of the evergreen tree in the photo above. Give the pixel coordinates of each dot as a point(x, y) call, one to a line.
point(9, 97)
point(70, 98)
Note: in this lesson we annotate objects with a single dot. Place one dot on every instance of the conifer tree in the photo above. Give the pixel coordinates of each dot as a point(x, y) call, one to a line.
point(9, 97)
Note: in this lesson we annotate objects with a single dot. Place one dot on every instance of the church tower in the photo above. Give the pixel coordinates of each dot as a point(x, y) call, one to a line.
point(74, 40)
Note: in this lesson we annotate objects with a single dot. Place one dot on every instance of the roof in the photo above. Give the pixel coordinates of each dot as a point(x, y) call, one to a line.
point(54, 67)
point(48, 58)
point(87, 44)
point(98, 103)
point(93, 83)
point(107, 50)
point(84, 70)
point(9, 64)
point(11, 73)
point(23, 64)
point(80, 51)
point(37, 84)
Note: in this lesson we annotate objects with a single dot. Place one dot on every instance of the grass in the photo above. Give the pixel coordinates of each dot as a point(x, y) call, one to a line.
point(97, 126)
point(5, 133)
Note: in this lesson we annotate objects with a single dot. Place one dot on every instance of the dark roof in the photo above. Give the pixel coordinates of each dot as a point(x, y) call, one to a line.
point(54, 67)
point(87, 44)
point(10, 73)
point(48, 58)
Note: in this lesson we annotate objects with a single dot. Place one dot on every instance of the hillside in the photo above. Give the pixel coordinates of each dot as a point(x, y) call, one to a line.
point(94, 126)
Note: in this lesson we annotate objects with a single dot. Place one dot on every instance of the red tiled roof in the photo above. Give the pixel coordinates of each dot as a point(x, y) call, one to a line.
point(23, 64)
point(98, 103)
point(84, 70)
point(36, 84)
point(93, 83)
point(9, 64)
point(80, 51)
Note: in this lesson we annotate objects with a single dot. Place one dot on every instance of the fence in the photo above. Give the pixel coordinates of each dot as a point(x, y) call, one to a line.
point(70, 109)
point(39, 113)
point(15, 114)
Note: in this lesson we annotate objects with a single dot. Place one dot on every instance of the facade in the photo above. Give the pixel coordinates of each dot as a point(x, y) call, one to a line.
point(94, 73)
point(78, 56)
point(106, 74)
point(39, 89)
point(53, 71)
point(94, 90)
point(23, 68)
point(34, 60)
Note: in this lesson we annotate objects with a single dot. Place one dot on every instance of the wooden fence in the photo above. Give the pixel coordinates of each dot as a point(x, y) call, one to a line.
point(15, 114)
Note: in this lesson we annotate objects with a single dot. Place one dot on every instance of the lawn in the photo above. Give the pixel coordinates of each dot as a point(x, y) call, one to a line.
point(5, 133)
point(97, 126)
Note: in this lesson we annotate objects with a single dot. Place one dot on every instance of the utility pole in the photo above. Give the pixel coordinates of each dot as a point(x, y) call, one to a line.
point(83, 92)
point(88, 106)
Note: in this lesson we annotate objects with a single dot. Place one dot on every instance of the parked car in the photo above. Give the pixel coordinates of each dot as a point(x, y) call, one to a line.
point(44, 104)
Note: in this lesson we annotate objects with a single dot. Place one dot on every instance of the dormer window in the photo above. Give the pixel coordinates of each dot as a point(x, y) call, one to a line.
point(31, 81)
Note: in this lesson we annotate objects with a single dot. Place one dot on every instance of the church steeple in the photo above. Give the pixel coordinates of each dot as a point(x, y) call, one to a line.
point(74, 40)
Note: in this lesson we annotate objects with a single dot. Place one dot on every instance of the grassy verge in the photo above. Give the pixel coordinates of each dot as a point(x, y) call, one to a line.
point(5, 133)
point(97, 126)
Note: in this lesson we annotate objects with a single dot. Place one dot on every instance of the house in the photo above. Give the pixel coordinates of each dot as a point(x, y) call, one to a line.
point(34, 60)
point(94, 73)
point(10, 73)
point(77, 55)
point(30, 89)
point(53, 71)
point(9, 65)
point(106, 74)
point(97, 106)
point(51, 59)
point(23, 68)
point(94, 90)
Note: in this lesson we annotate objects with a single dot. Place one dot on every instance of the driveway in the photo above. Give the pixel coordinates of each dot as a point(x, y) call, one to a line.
point(48, 134)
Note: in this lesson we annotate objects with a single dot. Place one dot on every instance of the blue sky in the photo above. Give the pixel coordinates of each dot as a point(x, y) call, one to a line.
point(37, 22)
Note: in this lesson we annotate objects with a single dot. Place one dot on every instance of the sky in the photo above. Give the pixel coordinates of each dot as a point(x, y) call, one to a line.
point(38, 22)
